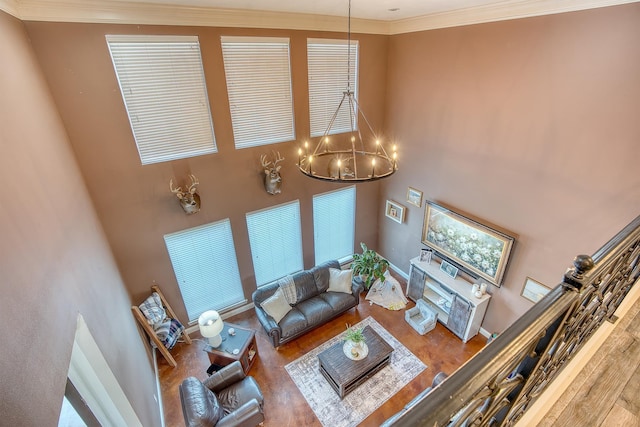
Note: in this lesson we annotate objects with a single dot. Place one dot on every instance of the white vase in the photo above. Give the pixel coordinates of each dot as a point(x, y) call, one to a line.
point(355, 351)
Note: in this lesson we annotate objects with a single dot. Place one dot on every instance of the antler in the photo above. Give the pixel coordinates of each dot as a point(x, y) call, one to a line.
point(263, 161)
point(278, 160)
point(194, 184)
point(178, 190)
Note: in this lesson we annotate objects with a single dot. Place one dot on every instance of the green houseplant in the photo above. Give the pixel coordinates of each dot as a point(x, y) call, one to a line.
point(369, 265)
point(354, 334)
point(355, 347)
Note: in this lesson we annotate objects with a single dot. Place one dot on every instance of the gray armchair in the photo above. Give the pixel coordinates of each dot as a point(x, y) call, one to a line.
point(226, 398)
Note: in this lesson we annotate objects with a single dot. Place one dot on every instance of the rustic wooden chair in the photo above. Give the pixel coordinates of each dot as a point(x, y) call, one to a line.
point(151, 331)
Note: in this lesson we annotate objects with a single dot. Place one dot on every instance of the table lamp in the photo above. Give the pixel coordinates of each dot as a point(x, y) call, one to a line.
point(211, 325)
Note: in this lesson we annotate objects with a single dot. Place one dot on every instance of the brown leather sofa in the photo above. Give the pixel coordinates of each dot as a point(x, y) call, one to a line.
point(227, 398)
point(314, 306)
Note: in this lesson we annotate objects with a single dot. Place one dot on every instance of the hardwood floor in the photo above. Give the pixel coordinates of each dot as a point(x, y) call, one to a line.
point(439, 349)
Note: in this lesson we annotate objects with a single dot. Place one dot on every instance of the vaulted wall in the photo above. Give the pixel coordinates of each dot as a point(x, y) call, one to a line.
point(133, 201)
point(529, 124)
point(55, 260)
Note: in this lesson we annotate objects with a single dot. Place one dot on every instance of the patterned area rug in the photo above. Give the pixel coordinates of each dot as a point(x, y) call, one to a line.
point(360, 403)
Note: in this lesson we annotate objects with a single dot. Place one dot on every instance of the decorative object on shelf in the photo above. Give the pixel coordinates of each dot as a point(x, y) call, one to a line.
point(348, 157)
point(478, 249)
point(272, 178)
point(395, 211)
point(483, 288)
point(449, 269)
point(533, 290)
point(414, 197)
point(210, 324)
point(425, 255)
point(189, 198)
point(369, 265)
point(355, 347)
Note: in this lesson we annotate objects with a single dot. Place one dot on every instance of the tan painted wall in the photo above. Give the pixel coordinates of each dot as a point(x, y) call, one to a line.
point(529, 124)
point(133, 201)
point(54, 257)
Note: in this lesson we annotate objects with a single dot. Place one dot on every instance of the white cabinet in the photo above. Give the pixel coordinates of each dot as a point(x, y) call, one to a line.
point(458, 309)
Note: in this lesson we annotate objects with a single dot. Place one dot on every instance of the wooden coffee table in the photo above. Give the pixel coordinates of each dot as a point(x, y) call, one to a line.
point(344, 374)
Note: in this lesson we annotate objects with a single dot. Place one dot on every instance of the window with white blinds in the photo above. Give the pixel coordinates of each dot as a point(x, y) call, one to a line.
point(163, 87)
point(258, 76)
point(327, 64)
point(276, 242)
point(334, 224)
point(205, 265)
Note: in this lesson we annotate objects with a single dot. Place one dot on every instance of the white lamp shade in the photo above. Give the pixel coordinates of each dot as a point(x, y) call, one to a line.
point(210, 324)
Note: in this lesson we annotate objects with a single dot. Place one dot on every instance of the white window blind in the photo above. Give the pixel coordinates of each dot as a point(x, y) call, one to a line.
point(276, 241)
point(205, 265)
point(327, 64)
point(162, 83)
point(259, 85)
point(334, 224)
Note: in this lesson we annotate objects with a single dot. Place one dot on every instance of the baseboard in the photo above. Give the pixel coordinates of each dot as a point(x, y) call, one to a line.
point(400, 272)
point(158, 395)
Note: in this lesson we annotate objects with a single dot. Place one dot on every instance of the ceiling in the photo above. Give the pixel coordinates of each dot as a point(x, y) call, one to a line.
point(368, 16)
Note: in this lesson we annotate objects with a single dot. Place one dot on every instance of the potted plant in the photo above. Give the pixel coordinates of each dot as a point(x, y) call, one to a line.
point(369, 265)
point(354, 334)
point(354, 346)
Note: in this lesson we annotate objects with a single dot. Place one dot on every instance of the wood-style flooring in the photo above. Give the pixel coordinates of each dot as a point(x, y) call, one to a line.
point(439, 349)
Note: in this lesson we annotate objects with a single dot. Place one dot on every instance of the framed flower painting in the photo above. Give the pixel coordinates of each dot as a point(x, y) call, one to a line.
point(476, 248)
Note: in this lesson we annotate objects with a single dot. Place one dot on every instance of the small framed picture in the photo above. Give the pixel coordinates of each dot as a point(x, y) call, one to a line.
point(395, 211)
point(414, 197)
point(425, 255)
point(533, 290)
point(449, 269)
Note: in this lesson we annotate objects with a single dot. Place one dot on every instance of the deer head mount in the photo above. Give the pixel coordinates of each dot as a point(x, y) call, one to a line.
point(189, 199)
point(272, 179)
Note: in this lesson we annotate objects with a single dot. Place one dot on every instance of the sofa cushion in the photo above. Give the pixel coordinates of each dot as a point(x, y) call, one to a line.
point(293, 323)
point(305, 286)
point(276, 305)
point(239, 393)
point(339, 301)
point(200, 405)
point(321, 274)
point(340, 280)
point(315, 310)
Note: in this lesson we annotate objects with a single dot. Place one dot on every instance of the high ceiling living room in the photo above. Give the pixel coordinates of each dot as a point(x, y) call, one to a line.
point(520, 117)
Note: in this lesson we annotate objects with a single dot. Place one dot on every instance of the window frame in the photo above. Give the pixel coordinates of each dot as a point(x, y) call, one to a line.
point(164, 91)
point(259, 88)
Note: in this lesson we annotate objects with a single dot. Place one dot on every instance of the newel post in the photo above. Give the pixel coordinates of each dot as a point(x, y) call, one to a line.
point(575, 277)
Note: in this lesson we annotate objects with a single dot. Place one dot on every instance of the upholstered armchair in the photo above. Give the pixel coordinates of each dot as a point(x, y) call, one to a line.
point(422, 318)
point(226, 398)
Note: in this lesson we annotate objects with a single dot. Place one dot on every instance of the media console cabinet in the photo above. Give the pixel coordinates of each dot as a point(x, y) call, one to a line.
point(458, 309)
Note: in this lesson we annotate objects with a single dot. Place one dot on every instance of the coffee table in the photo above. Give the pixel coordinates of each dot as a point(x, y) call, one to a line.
point(344, 374)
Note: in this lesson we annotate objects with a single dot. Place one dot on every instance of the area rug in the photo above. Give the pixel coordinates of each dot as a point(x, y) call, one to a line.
point(369, 396)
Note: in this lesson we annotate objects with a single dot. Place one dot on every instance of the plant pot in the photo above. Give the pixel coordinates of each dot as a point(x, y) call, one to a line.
point(355, 351)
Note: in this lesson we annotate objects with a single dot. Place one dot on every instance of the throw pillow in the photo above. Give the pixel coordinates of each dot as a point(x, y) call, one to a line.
point(340, 280)
point(288, 287)
point(152, 309)
point(276, 306)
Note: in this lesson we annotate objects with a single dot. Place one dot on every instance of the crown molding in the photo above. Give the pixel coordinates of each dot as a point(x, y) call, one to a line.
point(98, 11)
point(125, 12)
point(10, 6)
point(496, 12)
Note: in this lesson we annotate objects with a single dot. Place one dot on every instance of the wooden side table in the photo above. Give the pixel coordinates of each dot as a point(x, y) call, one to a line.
point(241, 347)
